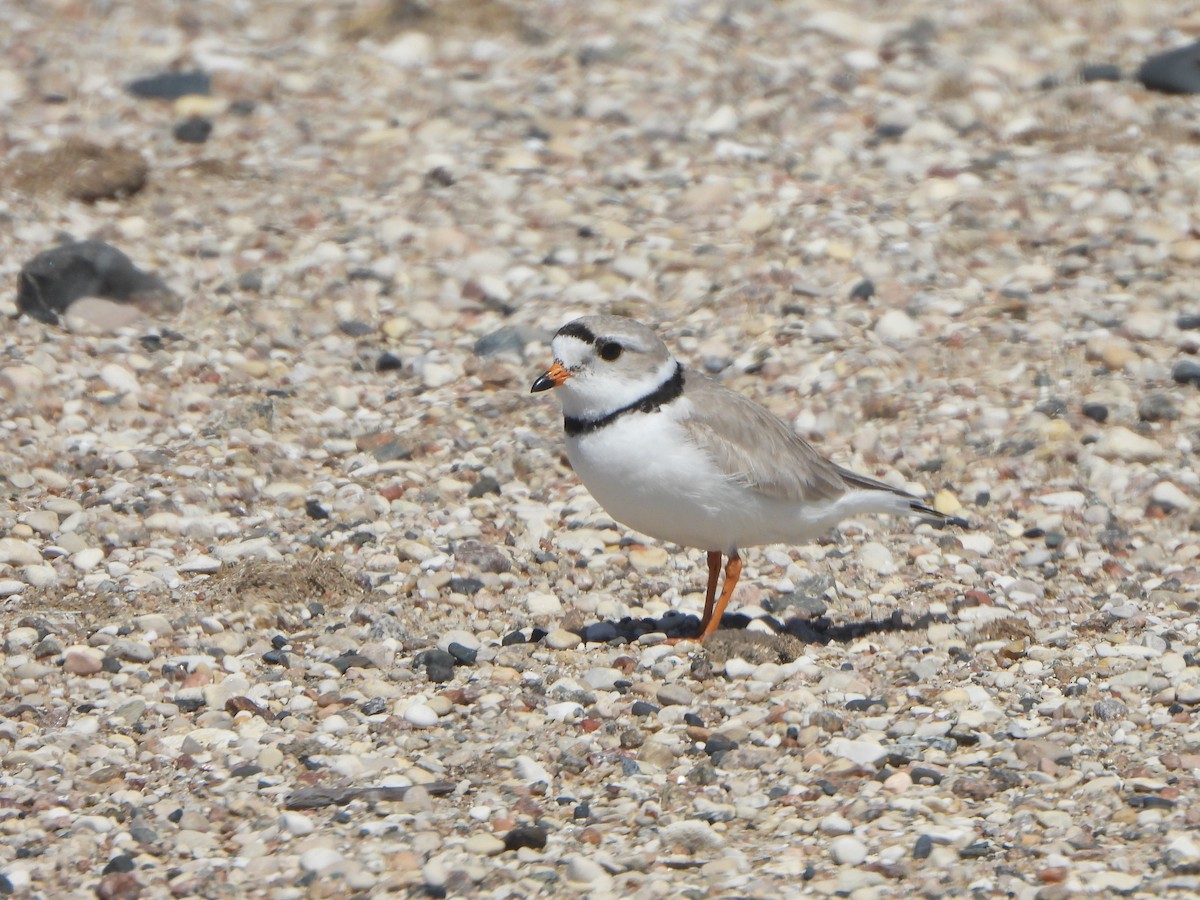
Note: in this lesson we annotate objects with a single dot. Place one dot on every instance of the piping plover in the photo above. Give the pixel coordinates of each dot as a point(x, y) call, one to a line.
point(674, 455)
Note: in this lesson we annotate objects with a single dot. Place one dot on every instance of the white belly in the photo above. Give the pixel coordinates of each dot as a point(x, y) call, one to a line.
point(649, 477)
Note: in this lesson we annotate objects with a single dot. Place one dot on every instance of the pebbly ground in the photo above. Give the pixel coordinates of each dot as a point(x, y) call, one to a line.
point(296, 578)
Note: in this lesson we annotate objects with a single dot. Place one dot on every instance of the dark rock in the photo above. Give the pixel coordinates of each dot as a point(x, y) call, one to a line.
point(481, 556)
point(275, 658)
point(807, 601)
point(1158, 407)
point(582, 811)
point(315, 510)
point(1186, 371)
point(925, 775)
point(632, 738)
point(373, 707)
point(193, 130)
point(718, 745)
point(1052, 408)
point(1173, 72)
point(1109, 709)
point(703, 774)
point(322, 796)
point(143, 834)
point(1097, 412)
point(385, 446)
point(862, 704)
point(599, 633)
point(890, 130)
point(978, 850)
point(864, 290)
point(355, 328)
point(438, 665)
point(642, 708)
point(922, 847)
point(1150, 801)
point(251, 281)
point(120, 863)
point(438, 176)
point(47, 647)
point(189, 704)
point(1188, 322)
point(171, 85)
point(351, 661)
point(110, 664)
point(513, 637)
point(56, 278)
point(485, 485)
point(1100, 72)
point(463, 655)
point(388, 362)
point(249, 770)
point(466, 586)
point(532, 836)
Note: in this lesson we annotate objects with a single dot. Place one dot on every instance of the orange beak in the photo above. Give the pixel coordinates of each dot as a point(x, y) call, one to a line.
point(551, 378)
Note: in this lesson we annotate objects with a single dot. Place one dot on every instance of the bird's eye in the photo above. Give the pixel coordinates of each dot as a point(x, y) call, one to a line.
point(610, 350)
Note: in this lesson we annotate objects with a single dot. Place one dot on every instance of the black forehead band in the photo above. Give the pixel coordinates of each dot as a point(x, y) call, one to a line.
point(578, 330)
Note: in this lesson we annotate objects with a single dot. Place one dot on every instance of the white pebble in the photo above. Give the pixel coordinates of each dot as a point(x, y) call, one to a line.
point(296, 824)
point(16, 552)
point(567, 711)
point(877, 558)
point(202, 564)
point(847, 851)
point(724, 120)
point(335, 724)
point(863, 753)
point(543, 605)
point(420, 715)
point(119, 379)
point(86, 560)
point(319, 858)
point(1168, 496)
point(561, 639)
point(1121, 443)
point(835, 823)
point(897, 327)
point(602, 678)
point(530, 771)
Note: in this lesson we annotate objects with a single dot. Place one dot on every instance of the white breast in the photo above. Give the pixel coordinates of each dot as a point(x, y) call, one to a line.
point(648, 475)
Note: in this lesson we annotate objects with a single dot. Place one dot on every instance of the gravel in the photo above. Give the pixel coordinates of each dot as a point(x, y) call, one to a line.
point(298, 595)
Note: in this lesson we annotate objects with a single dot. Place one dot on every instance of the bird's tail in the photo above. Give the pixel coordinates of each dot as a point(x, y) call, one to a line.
point(937, 518)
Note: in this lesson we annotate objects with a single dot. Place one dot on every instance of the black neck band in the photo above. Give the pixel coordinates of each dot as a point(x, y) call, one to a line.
point(664, 393)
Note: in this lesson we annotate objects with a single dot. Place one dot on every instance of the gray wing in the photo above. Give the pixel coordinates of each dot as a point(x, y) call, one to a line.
point(758, 449)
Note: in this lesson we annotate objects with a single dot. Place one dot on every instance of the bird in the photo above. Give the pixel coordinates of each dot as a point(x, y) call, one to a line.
point(670, 453)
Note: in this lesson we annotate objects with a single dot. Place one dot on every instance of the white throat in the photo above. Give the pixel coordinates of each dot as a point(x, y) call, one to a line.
point(594, 394)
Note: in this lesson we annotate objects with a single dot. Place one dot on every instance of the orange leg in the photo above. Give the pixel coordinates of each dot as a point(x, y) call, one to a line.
point(713, 612)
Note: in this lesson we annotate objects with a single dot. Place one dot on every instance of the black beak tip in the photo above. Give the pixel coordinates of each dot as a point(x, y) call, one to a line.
point(543, 383)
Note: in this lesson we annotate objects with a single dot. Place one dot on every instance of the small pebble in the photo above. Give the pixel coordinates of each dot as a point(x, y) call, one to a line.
point(560, 639)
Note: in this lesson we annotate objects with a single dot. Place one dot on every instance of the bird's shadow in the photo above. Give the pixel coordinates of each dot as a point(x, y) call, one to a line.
point(820, 630)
